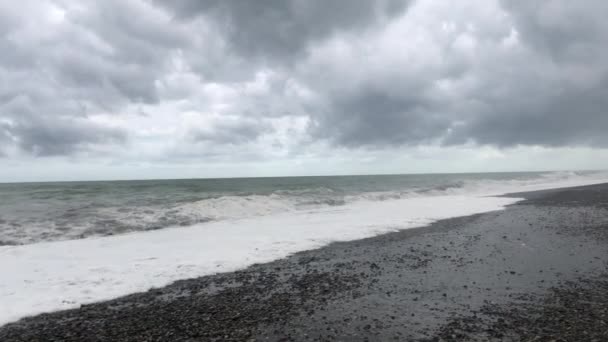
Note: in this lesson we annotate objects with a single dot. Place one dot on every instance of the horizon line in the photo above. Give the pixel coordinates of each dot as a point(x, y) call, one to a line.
point(291, 176)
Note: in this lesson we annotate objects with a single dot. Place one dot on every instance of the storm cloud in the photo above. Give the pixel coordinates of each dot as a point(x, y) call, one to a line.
point(276, 77)
point(230, 131)
point(279, 31)
point(557, 95)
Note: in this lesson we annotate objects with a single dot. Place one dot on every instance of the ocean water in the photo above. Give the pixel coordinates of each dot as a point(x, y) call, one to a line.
point(37, 212)
point(67, 244)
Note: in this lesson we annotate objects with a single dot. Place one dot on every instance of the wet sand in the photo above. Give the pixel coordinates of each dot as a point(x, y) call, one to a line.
point(537, 271)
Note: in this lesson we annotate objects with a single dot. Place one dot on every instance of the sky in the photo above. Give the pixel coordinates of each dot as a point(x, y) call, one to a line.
point(140, 89)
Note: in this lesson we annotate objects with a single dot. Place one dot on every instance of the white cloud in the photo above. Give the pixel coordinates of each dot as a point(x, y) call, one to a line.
point(418, 87)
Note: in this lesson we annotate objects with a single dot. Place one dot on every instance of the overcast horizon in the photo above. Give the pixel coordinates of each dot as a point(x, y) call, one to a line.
point(149, 89)
point(304, 176)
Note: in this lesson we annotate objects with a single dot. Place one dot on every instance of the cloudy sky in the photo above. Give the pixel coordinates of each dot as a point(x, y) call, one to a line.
point(119, 89)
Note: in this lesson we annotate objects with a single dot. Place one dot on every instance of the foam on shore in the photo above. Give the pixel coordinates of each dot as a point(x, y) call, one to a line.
point(60, 275)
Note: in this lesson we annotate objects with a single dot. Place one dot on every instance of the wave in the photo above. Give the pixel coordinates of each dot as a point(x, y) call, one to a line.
point(280, 201)
point(65, 274)
point(88, 221)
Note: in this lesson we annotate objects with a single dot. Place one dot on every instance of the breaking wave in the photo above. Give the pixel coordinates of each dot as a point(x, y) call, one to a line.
point(89, 219)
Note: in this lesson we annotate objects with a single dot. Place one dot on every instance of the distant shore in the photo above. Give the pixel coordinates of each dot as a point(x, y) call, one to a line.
point(536, 271)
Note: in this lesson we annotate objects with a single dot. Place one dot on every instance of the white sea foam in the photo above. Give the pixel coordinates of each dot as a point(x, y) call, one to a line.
point(235, 207)
point(59, 275)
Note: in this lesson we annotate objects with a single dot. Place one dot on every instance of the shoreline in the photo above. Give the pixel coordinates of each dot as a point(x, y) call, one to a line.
point(451, 280)
point(54, 276)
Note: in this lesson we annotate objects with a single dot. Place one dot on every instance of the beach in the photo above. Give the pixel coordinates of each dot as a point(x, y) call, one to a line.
point(536, 271)
point(293, 170)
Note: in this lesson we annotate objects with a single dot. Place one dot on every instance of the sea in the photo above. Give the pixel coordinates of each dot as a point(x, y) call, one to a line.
point(38, 212)
point(65, 244)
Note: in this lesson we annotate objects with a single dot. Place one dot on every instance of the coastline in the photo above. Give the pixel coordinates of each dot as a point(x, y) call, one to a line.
point(455, 279)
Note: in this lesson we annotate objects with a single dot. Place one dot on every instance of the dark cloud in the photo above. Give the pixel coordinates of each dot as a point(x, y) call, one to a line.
point(230, 131)
point(59, 136)
point(99, 54)
point(565, 30)
point(550, 91)
point(88, 59)
point(281, 29)
point(378, 118)
point(365, 73)
point(136, 52)
point(565, 117)
point(5, 139)
point(556, 97)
